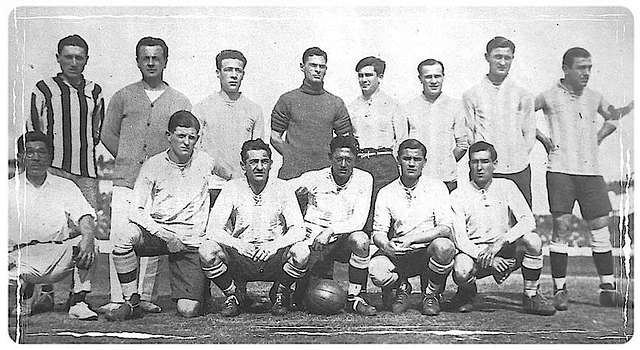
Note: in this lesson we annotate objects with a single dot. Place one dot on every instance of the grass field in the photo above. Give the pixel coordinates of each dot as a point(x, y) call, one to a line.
point(497, 318)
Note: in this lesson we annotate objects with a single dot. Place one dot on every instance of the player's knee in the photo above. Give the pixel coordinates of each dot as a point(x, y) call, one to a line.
point(360, 243)
point(463, 269)
point(127, 239)
point(299, 253)
point(210, 252)
point(188, 308)
point(379, 271)
point(532, 243)
point(598, 223)
point(601, 240)
point(561, 226)
point(443, 249)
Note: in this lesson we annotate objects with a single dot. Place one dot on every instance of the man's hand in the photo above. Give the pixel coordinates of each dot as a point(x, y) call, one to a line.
point(245, 248)
point(174, 245)
point(87, 252)
point(548, 144)
point(617, 113)
point(265, 252)
point(322, 239)
point(501, 264)
point(488, 254)
point(392, 249)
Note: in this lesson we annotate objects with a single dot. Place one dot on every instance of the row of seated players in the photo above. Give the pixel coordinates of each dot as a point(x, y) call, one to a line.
point(257, 232)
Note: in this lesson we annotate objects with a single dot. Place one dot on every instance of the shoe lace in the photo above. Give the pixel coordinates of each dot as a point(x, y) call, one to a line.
point(231, 301)
point(279, 300)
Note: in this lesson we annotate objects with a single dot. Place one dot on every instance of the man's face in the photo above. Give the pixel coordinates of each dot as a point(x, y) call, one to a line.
point(500, 60)
point(314, 69)
point(342, 161)
point(578, 74)
point(411, 163)
point(230, 74)
point(369, 80)
point(481, 167)
point(182, 141)
point(431, 78)
point(151, 61)
point(36, 158)
point(257, 166)
point(72, 60)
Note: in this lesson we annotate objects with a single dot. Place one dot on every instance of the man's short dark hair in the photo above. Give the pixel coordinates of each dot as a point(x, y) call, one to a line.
point(500, 41)
point(32, 136)
point(572, 53)
point(254, 145)
point(224, 54)
point(378, 64)
point(151, 41)
point(73, 40)
point(483, 146)
point(313, 51)
point(412, 144)
point(430, 62)
point(184, 119)
point(348, 141)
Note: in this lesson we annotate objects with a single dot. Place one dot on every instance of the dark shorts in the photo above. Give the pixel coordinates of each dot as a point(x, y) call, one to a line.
point(187, 279)
point(589, 190)
point(508, 251)
point(384, 170)
point(522, 180)
point(244, 269)
point(321, 261)
point(411, 264)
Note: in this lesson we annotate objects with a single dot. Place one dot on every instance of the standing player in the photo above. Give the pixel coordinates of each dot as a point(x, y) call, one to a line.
point(487, 245)
point(379, 128)
point(254, 234)
point(310, 115)
point(229, 117)
point(438, 121)
point(571, 110)
point(412, 227)
point(501, 112)
point(70, 109)
point(169, 215)
point(51, 229)
point(134, 130)
point(338, 203)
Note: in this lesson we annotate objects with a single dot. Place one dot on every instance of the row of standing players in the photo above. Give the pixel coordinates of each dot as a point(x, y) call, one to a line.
point(438, 121)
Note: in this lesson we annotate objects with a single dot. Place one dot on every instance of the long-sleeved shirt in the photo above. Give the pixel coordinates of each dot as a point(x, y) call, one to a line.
point(135, 128)
point(174, 197)
point(440, 126)
point(225, 125)
point(573, 123)
point(377, 122)
point(310, 117)
point(342, 208)
point(409, 210)
point(502, 115)
point(72, 117)
point(44, 213)
point(482, 215)
point(255, 218)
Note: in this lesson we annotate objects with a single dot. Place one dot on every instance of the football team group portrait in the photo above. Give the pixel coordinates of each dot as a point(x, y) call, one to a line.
point(320, 175)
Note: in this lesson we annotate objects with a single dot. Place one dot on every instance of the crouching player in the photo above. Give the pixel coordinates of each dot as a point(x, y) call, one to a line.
point(487, 245)
point(168, 217)
point(254, 234)
point(412, 226)
point(51, 230)
point(337, 209)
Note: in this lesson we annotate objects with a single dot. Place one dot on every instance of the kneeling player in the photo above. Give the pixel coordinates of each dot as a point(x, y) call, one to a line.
point(254, 234)
point(488, 246)
point(168, 216)
point(338, 205)
point(412, 227)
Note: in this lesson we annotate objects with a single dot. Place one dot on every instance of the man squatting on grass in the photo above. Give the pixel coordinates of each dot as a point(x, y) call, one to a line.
point(487, 245)
point(412, 227)
point(255, 233)
point(171, 207)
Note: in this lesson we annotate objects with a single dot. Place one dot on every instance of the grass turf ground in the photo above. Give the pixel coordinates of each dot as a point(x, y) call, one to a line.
point(497, 318)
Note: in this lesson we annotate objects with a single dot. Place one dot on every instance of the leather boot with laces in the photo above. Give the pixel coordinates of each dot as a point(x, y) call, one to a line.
point(128, 310)
point(356, 304)
point(231, 307)
point(401, 301)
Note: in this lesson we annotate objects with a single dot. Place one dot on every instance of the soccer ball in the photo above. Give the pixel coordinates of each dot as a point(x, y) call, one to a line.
point(325, 297)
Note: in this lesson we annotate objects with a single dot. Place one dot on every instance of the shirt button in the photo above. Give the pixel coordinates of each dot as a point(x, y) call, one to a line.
point(152, 105)
point(142, 161)
point(148, 124)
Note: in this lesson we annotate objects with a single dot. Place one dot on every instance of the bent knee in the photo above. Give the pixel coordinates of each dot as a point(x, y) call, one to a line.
point(300, 253)
point(443, 248)
point(210, 251)
point(532, 242)
point(463, 268)
point(359, 240)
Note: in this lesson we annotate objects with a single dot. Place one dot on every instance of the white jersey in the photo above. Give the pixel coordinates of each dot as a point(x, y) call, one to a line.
point(342, 208)
point(482, 215)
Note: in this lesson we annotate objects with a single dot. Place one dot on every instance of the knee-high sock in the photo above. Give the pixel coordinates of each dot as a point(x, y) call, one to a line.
point(531, 269)
point(291, 273)
point(127, 268)
point(436, 276)
point(604, 266)
point(358, 272)
point(217, 272)
point(559, 259)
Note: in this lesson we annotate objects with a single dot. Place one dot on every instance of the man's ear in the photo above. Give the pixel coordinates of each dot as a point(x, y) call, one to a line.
point(302, 67)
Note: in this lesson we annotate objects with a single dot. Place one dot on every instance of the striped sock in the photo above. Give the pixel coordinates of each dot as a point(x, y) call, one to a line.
point(358, 272)
point(531, 270)
point(437, 275)
point(127, 268)
point(559, 259)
